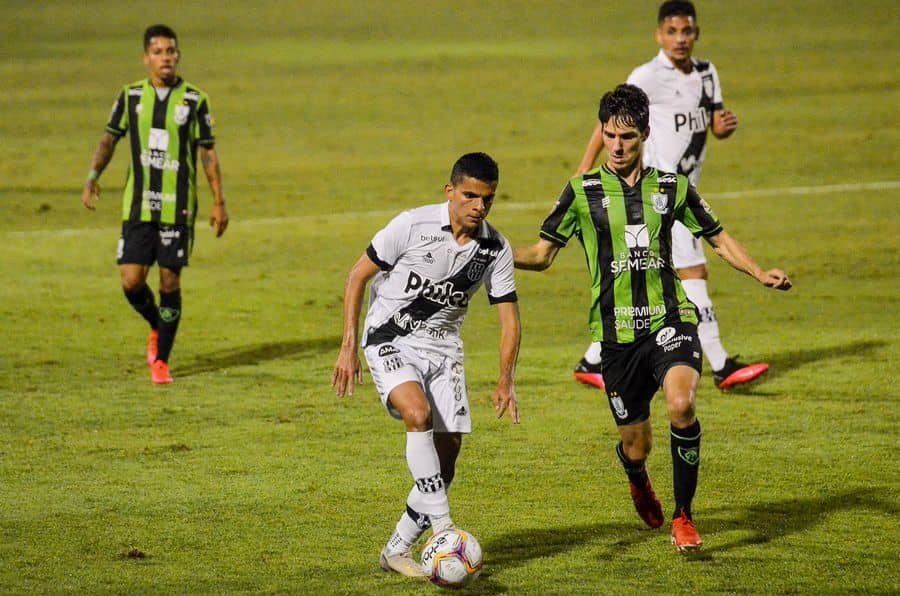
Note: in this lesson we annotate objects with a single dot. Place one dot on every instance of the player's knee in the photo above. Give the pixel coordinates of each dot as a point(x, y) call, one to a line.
point(681, 410)
point(132, 282)
point(417, 418)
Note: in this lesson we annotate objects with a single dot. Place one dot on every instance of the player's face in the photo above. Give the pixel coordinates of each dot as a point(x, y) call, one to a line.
point(470, 202)
point(676, 36)
point(161, 58)
point(623, 145)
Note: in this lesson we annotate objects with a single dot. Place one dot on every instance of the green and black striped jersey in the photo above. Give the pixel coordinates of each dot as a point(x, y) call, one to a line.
point(164, 135)
point(626, 234)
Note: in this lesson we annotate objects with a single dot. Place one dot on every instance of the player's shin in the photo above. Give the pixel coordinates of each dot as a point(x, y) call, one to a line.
point(429, 496)
point(169, 317)
point(144, 303)
point(685, 466)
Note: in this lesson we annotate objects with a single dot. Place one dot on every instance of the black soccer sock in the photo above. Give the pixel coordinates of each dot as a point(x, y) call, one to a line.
point(636, 470)
point(143, 302)
point(685, 465)
point(169, 316)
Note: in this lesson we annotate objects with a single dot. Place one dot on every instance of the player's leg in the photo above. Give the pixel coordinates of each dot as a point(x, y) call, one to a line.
point(172, 256)
point(588, 370)
point(627, 374)
point(690, 262)
point(136, 252)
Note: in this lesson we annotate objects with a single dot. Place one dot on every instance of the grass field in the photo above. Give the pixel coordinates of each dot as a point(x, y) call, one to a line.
point(248, 475)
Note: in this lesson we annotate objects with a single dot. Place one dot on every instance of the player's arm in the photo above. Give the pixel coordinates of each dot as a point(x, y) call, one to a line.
point(347, 369)
point(724, 123)
point(536, 257)
point(102, 156)
point(595, 145)
point(510, 337)
point(218, 215)
point(734, 253)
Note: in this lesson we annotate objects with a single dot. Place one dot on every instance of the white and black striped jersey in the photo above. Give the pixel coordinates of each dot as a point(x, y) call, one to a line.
point(681, 108)
point(426, 280)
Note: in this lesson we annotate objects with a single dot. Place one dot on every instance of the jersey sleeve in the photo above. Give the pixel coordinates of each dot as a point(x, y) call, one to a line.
point(562, 222)
point(718, 102)
point(204, 124)
point(390, 242)
point(640, 77)
point(501, 284)
point(697, 215)
point(118, 117)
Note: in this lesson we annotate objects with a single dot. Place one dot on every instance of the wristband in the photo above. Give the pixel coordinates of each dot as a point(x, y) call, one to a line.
point(92, 176)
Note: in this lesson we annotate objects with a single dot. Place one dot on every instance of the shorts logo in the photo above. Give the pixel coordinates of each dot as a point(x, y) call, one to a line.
point(618, 405)
point(690, 456)
point(637, 236)
point(660, 202)
point(665, 335)
point(461, 411)
point(387, 350)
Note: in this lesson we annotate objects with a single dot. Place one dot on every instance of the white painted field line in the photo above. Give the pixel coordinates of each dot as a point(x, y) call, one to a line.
point(386, 213)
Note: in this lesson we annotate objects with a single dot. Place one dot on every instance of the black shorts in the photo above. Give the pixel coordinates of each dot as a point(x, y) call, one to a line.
point(634, 372)
point(145, 243)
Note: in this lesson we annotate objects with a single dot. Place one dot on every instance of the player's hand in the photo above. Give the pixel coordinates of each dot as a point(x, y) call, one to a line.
point(776, 278)
point(505, 399)
point(218, 218)
point(90, 194)
point(347, 370)
point(724, 123)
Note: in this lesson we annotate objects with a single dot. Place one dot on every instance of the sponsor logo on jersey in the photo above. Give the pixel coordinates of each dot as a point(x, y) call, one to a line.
point(387, 350)
point(591, 182)
point(432, 237)
point(640, 311)
point(158, 156)
point(441, 292)
point(192, 96)
point(428, 258)
point(696, 120)
point(136, 92)
point(660, 202)
point(705, 206)
point(181, 114)
point(154, 200)
point(667, 179)
point(637, 236)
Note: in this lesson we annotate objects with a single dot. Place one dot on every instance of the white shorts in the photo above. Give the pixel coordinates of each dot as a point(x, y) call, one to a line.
point(687, 251)
point(441, 375)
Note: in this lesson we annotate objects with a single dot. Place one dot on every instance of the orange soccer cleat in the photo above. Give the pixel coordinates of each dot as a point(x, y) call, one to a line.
point(151, 346)
point(684, 535)
point(159, 373)
point(589, 374)
point(646, 504)
point(737, 373)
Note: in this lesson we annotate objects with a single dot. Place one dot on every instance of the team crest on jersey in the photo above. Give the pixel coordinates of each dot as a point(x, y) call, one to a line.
point(476, 270)
point(181, 114)
point(660, 202)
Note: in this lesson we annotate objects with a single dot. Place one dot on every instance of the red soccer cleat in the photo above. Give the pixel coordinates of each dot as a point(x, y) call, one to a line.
point(151, 346)
point(159, 373)
point(737, 373)
point(589, 374)
point(646, 504)
point(684, 535)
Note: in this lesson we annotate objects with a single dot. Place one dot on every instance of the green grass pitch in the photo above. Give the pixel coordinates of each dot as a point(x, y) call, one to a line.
point(248, 475)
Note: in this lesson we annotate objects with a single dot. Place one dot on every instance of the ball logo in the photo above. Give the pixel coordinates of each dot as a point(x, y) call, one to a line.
point(665, 335)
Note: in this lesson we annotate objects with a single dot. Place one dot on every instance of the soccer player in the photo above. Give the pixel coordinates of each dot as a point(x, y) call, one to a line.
point(168, 121)
point(685, 103)
point(425, 266)
point(624, 213)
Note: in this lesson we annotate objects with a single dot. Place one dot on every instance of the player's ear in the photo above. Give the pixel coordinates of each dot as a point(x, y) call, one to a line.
point(696, 33)
point(448, 190)
point(645, 134)
point(659, 35)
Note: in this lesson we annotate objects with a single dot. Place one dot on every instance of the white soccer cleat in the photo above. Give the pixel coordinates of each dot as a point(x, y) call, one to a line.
point(402, 563)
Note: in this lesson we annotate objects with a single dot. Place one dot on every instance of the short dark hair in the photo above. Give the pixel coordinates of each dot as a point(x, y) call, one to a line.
point(158, 31)
point(627, 104)
point(480, 166)
point(676, 8)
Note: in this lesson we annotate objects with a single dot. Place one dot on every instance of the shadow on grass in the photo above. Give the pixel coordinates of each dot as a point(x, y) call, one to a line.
point(771, 521)
point(782, 362)
point(255, 354)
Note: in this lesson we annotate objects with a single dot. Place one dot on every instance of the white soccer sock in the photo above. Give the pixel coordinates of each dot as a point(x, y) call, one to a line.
point(592, 356)
point(708, 329)
point(429, 495)
point(406, 533)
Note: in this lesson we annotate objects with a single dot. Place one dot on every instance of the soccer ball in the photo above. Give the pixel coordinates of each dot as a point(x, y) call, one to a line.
point(451, 558)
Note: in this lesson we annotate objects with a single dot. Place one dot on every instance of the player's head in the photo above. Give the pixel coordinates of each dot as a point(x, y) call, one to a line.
point(625, 120)
point(161, 53)
point(471, 190)
point(677, 30)
point(480, 166)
